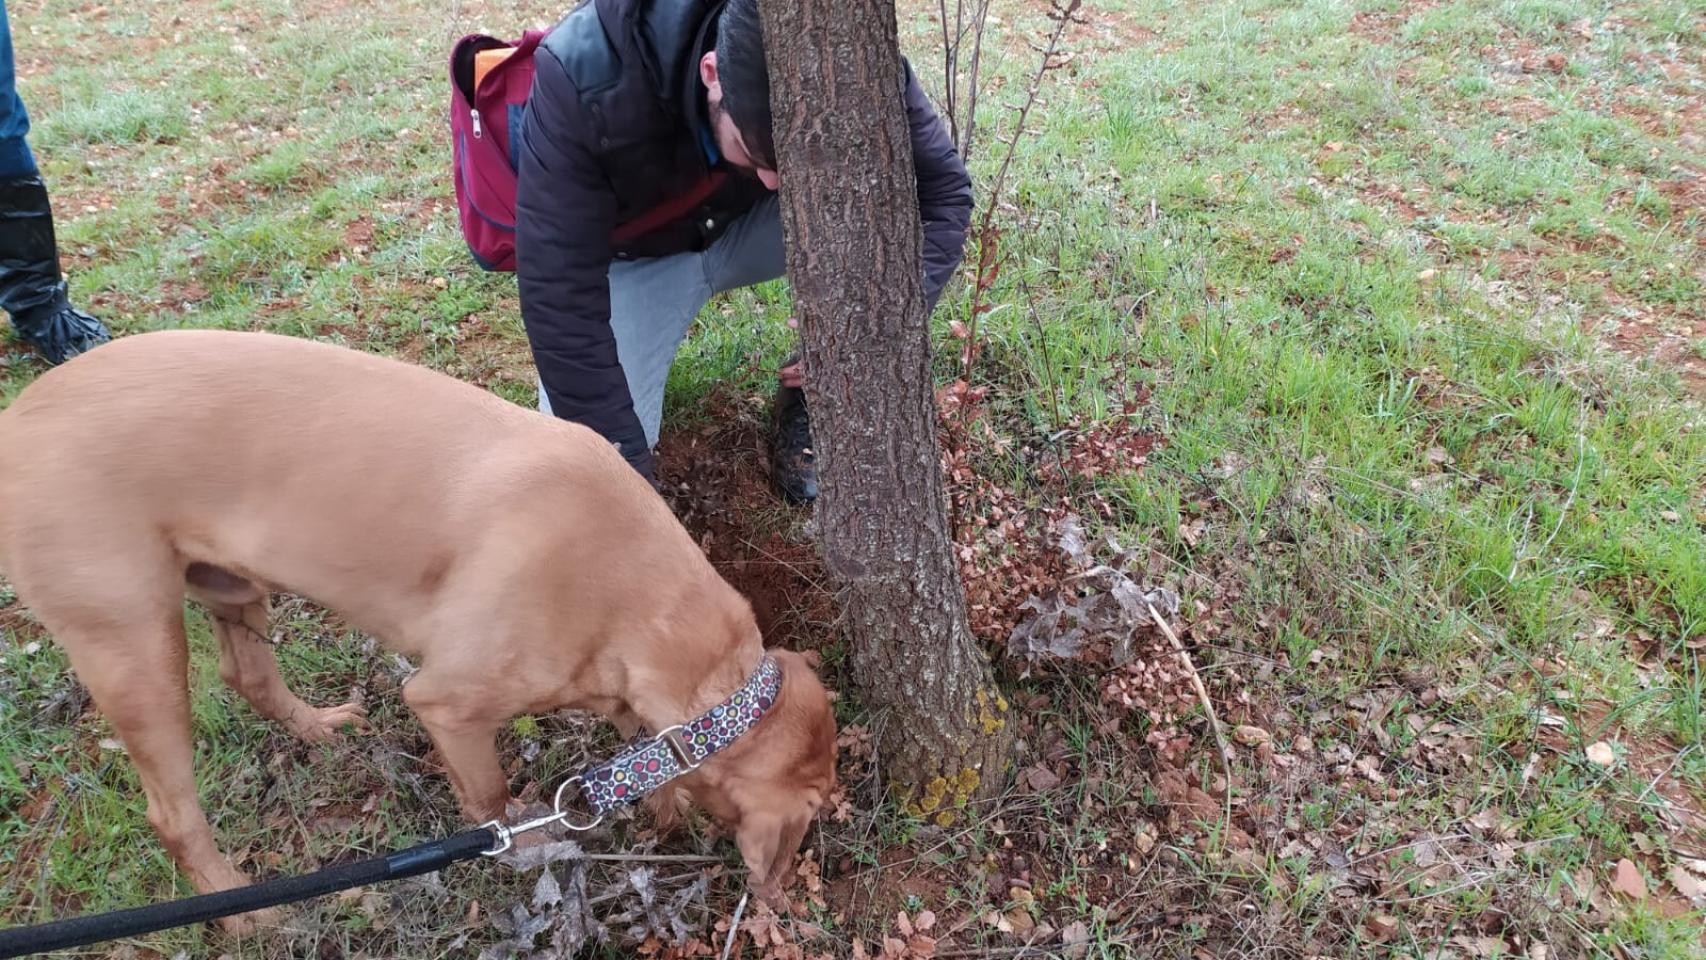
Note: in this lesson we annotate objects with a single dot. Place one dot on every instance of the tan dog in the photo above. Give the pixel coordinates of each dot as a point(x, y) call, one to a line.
point(517, 557)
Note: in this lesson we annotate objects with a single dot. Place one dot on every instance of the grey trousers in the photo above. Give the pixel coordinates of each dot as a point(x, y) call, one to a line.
point(653, 302)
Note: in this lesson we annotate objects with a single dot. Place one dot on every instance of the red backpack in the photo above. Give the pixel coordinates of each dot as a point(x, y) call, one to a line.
point(485, 135)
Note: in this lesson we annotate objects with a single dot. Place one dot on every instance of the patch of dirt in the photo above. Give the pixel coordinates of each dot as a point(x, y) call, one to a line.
point(182, 296)
point(885, 888)
point(358, 236)
point(1383, 26)
point(1111, 31)
point(716, 479)
point(1393, 198)
point(1524, 108)
point(1687, 191)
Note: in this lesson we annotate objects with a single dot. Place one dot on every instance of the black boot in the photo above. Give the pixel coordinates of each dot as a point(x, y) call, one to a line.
point(31, 288)
point(793, 465)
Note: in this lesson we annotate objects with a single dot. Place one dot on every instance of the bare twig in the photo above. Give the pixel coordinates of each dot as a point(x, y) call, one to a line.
point(950, 60)
point(1476, 880)
point(649, 858)
point(980, 20)
point(1048, 363)
point(734, 926)
point(1685, 751)
point(1202, 695)
point(1388, 851)
point(987, 233)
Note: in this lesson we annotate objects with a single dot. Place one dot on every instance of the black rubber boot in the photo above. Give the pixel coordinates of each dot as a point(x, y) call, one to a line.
point(31, 287)
point(793, 465)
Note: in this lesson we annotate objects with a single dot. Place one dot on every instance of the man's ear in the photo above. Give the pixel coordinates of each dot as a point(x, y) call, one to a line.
point(708, 71)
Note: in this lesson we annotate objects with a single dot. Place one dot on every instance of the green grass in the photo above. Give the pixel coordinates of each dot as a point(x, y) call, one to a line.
point(1368, 256)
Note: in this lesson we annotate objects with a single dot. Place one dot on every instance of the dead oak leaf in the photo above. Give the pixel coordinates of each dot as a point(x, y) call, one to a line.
point(1251, 736)
point(1042, 778)
point(1626, 879)
point(1686, 883)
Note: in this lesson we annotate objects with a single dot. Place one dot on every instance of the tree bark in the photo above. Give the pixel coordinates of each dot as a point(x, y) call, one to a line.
point(853, 237)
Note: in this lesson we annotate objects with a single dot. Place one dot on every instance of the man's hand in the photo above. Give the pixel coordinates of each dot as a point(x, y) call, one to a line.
point(790, 374)
point(642, 464)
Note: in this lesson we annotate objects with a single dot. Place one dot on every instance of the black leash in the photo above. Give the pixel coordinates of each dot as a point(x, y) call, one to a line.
point(82, 931)
point(641, 767)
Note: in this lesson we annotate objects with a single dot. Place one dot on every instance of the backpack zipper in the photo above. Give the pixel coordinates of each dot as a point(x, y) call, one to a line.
point(476, 115)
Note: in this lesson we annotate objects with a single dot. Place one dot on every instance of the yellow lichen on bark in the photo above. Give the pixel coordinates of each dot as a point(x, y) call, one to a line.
point(989, 711)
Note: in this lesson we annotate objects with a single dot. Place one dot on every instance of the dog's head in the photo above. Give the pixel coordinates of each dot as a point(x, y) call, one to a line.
point(769, 785)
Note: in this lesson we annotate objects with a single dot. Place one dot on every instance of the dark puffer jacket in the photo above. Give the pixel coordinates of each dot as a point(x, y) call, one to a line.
point(612, 167)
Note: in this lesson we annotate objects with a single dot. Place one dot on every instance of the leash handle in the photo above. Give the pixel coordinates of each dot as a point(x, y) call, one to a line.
point(82, 931)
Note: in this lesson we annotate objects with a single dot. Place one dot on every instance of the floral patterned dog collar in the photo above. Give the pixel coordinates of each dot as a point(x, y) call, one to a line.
point(648, 762)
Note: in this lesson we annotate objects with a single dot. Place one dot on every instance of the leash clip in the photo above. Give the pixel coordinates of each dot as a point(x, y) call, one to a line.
point(506, 834)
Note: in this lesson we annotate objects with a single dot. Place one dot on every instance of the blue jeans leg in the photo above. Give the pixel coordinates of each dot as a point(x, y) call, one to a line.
point(654, 302)
point(16, 160)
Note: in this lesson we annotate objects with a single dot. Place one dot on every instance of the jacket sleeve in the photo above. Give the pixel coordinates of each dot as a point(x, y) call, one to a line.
point(944, 190)
point(564, 214)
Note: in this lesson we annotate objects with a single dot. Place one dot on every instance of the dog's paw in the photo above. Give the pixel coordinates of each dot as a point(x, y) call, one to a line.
point(327, 723)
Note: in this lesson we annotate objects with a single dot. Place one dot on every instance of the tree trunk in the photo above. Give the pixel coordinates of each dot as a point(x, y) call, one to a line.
point(854, 241)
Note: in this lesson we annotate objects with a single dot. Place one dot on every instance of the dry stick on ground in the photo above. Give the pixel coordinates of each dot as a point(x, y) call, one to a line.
point(986, 233)
point(734, 925)
point(1202, 694)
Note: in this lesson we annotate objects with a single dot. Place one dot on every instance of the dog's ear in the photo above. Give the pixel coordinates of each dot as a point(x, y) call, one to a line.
point(804, 705)
point(768, 841)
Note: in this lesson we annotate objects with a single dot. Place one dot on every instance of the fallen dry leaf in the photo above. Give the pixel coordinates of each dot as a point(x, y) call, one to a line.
point(1191, 532)
point(1686, 883)
point(1380, 925)
point(1075, 938)
point(1019, 921)
point(1042, 778)
point(1251, 736)
point(1627, 880)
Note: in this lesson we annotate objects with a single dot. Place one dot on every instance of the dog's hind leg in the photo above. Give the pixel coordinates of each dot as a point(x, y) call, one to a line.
point(137, 673)
point(246, 661)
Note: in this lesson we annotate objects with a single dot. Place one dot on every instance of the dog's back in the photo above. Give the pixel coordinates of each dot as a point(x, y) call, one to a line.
point(271, 455)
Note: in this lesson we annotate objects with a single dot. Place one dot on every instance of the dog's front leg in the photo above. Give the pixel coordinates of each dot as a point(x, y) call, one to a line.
point(465, 733)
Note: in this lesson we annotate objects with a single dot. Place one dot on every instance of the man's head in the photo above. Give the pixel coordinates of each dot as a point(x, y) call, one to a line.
point(737, 92)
